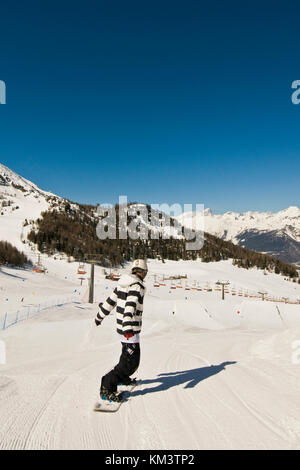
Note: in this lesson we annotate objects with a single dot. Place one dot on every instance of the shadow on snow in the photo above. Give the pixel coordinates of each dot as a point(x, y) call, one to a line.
point(12, 275)
point(190, 377)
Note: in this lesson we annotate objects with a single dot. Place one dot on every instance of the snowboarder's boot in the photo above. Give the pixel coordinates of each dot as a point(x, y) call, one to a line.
point(105, 394)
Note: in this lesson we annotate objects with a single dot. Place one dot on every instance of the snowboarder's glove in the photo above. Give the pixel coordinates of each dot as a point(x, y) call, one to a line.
point(128, 335)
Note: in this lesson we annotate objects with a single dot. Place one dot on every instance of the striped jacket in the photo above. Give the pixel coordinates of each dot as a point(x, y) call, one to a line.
point(127, 297)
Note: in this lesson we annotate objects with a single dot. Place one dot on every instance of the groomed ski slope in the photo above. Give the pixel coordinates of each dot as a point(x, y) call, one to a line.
point(211, 378)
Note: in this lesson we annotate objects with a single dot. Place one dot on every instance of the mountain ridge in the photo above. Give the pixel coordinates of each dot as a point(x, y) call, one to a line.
point(274, 233)
point(33, 218)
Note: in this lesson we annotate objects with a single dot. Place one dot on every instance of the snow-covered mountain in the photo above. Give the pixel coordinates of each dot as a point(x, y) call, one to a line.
point(277, 234)
point(20, 202)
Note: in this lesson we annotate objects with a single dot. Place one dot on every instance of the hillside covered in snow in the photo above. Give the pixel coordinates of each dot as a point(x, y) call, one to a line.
point(20, 203)
point(276, 234)
point(215, 374)
point(36, 221)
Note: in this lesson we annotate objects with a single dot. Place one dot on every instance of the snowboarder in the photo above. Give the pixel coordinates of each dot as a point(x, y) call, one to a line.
point(128, 298)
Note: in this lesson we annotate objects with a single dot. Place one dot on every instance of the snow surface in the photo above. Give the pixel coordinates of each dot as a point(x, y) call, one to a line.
point(215, 374)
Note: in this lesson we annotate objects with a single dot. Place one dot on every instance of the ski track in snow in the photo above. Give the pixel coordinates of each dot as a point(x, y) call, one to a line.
point(200, 388)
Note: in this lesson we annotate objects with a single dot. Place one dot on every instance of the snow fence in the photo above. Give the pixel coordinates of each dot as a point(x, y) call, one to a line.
point(8, 319)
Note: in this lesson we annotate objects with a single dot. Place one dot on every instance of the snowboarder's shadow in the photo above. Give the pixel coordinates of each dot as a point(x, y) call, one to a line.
point(190, 377)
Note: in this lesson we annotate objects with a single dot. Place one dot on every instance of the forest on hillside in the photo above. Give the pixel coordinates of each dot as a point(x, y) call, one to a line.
point(10, 255)
point(73, 232)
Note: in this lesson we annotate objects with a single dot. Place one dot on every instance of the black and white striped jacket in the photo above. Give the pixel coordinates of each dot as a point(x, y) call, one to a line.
point(127, 297)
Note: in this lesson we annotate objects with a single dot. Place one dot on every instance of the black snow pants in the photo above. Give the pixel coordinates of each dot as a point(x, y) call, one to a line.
point(128, 364)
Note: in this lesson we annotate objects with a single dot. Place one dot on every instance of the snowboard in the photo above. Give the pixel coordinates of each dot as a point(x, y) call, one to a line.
point(111, 406)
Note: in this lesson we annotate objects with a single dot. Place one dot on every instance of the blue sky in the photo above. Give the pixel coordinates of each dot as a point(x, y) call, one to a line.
point(162, 101)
